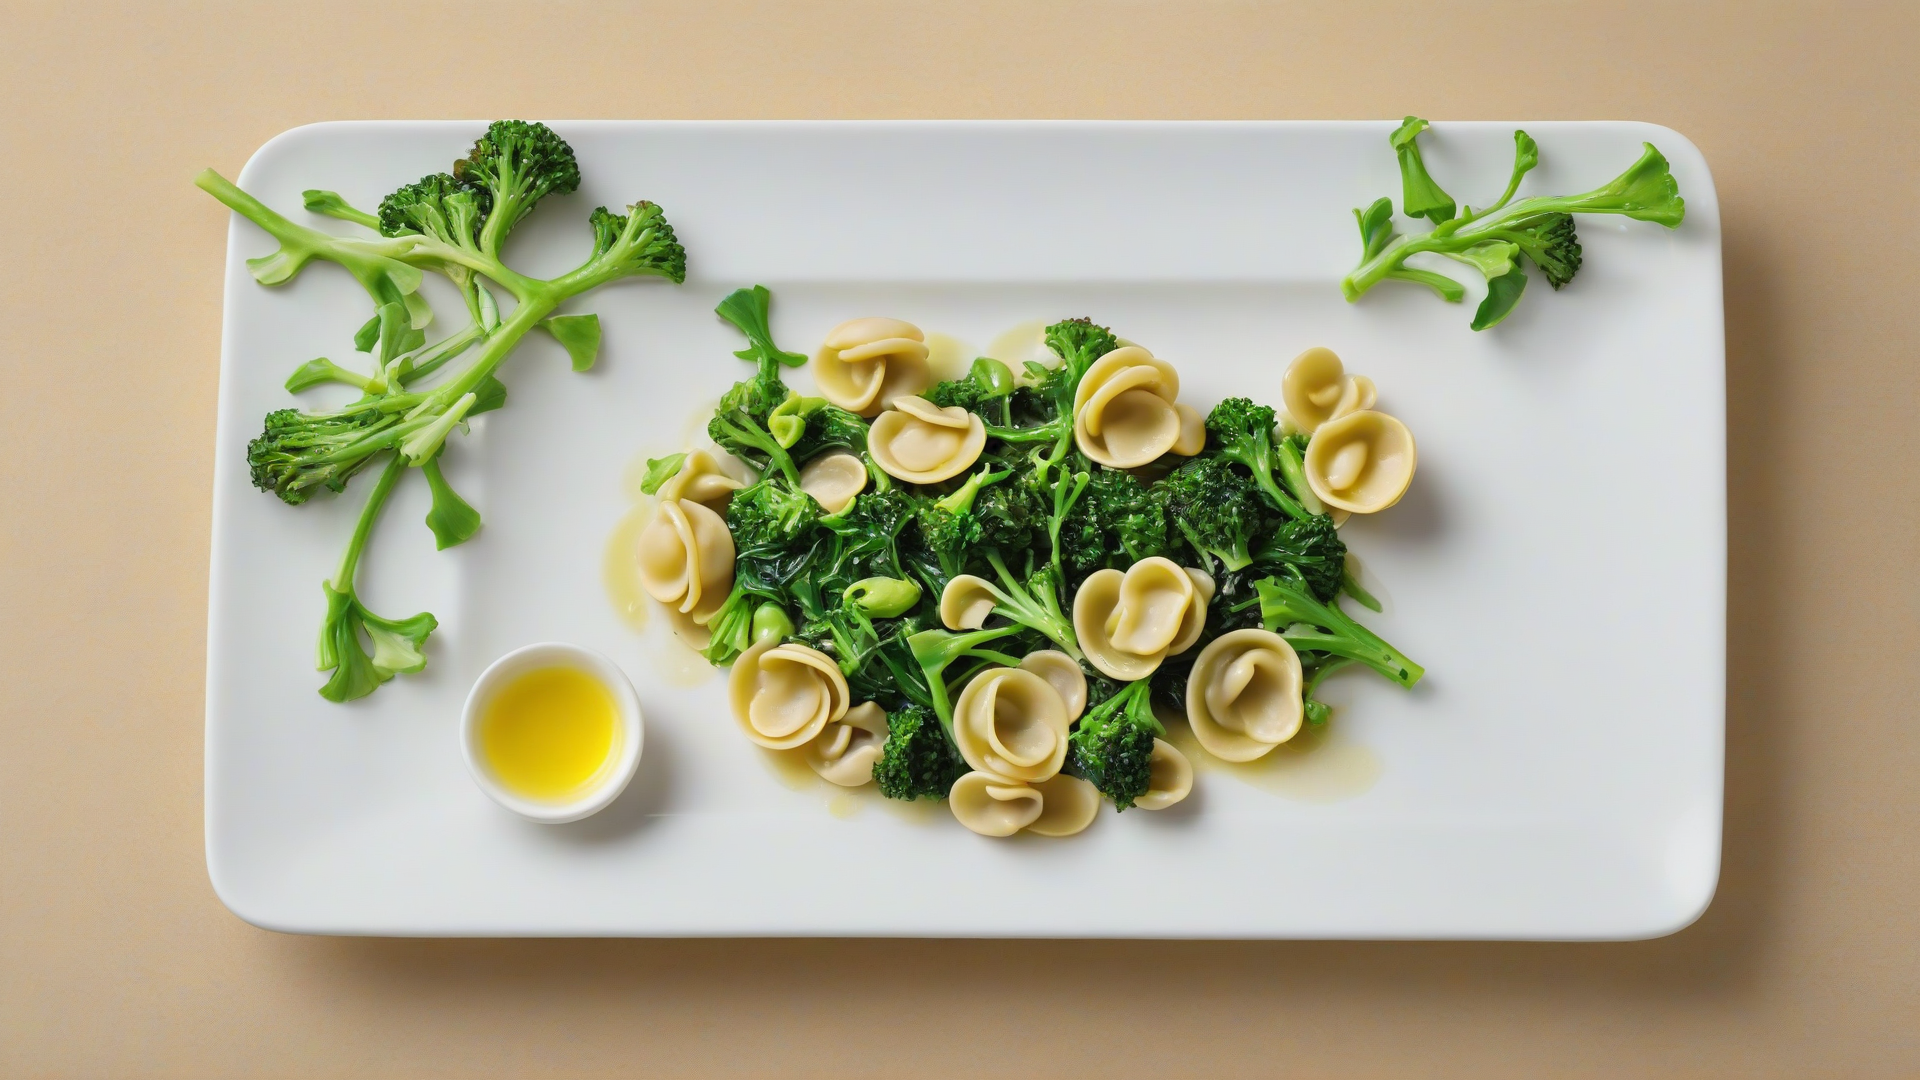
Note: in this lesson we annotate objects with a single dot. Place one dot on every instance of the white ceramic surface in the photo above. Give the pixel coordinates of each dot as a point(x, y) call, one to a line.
point(1558, 566)
point(554, 654)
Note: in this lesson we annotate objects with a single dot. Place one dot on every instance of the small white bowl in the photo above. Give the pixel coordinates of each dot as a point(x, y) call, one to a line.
point(549, 654)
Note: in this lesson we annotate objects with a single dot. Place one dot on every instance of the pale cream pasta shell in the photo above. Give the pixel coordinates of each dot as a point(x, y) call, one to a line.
point(1123, 409)
point(1316, 389)
point(865, 363)
point(1068, 805)
point(921, 443)
point(1170, 779)
point(1243, 695)
point(784, 695)
point(1011, 723)
point(834, 480)
point(845, 750)
point(700, 480)
point(1362, 462)
point(685, 558)
point(1193, 430)
point(993, 806)
point(1127, 623)
point(1062, 673)
point(966, 602)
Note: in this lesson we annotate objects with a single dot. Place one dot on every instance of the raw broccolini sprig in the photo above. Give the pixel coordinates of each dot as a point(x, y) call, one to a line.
point(453, 224)
point(1498, 240)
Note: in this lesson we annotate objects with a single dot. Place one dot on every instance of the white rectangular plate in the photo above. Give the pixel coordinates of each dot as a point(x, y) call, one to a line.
point(1559, 565)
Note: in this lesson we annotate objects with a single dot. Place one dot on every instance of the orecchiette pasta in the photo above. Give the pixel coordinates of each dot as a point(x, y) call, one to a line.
point(1064, 675)
point(1123, 410)
point(966, 602)
point(1128, 623)
point(833, 480)
point(700, 480)
point(1316, 388)
point(785, 695)
point(865, 363)
point(845, 750)
point(1193, 430)
point(922, 443)
point(695, 636)
point(1170, 779)
point(993, 806)
point(1362, 462)
point(1243, 696)
point(1068, 805)
point(1012, 724)
point(686, 558)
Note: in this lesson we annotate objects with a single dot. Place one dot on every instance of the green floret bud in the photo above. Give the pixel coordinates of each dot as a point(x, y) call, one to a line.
point(448, 210)
point(1554, 247)
point(519, 163)
point(1116, 508)
point(1241, 431)
point(918, 760)
point(770, 514)
point(1313, 549)
point(1112, 748)
point(1217, 509)
point(300, 452)
point(640, 241)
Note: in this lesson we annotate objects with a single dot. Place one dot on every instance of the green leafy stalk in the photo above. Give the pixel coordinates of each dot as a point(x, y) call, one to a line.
point(1289, 609)
point(397, 643)
point(1498, 240)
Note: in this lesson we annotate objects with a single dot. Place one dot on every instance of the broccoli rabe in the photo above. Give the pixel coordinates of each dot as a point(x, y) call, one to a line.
point(452, 224)
point(1112, 746)
point(1115, 522)
point(918, 760)
point(1290, 610)
point(1312, 549)
point(1217, 510)
point(1496, 239)
point(1241, 431)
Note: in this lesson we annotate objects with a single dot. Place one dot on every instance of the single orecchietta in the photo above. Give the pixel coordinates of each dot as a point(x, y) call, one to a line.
point(1127, 623)
point(1012, 723)
point(685, 557)
point(785, 695)
point(700, 479)
point(921, 443)
point(1124, 413)
point(1362, 462)
point(1316, 388)
point(865, 363)
point(1244, 694)
point(1171, 778)
point(845, 750)
point(833, 480)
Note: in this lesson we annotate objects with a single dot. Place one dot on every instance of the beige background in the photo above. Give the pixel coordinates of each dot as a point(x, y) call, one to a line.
point(116, 959)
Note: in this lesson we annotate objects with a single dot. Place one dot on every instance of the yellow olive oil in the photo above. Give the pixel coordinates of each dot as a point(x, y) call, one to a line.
point(551, 734)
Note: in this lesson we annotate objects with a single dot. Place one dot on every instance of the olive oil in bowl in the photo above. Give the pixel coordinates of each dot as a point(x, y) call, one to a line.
point(552, 732)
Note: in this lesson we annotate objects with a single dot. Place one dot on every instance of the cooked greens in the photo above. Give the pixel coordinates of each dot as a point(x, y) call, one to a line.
point(453, 224)
point(1499, 240)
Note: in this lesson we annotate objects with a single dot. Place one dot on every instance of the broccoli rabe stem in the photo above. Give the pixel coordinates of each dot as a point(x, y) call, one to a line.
point(362, 529)
point(1037, 608)
point(1644, 192)
point(1289, 609)
point(937, 650)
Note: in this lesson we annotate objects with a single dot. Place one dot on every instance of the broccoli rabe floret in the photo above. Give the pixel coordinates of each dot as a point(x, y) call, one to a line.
point(519, 163)
point(1112, 747)
point(1241, 431)
point(918, 760)
point(1313, 549)
point(1116, 521)
point(952, 528)
point(449, 210)
point(770, 514)
point(1290, 610)
point(1217, 509)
